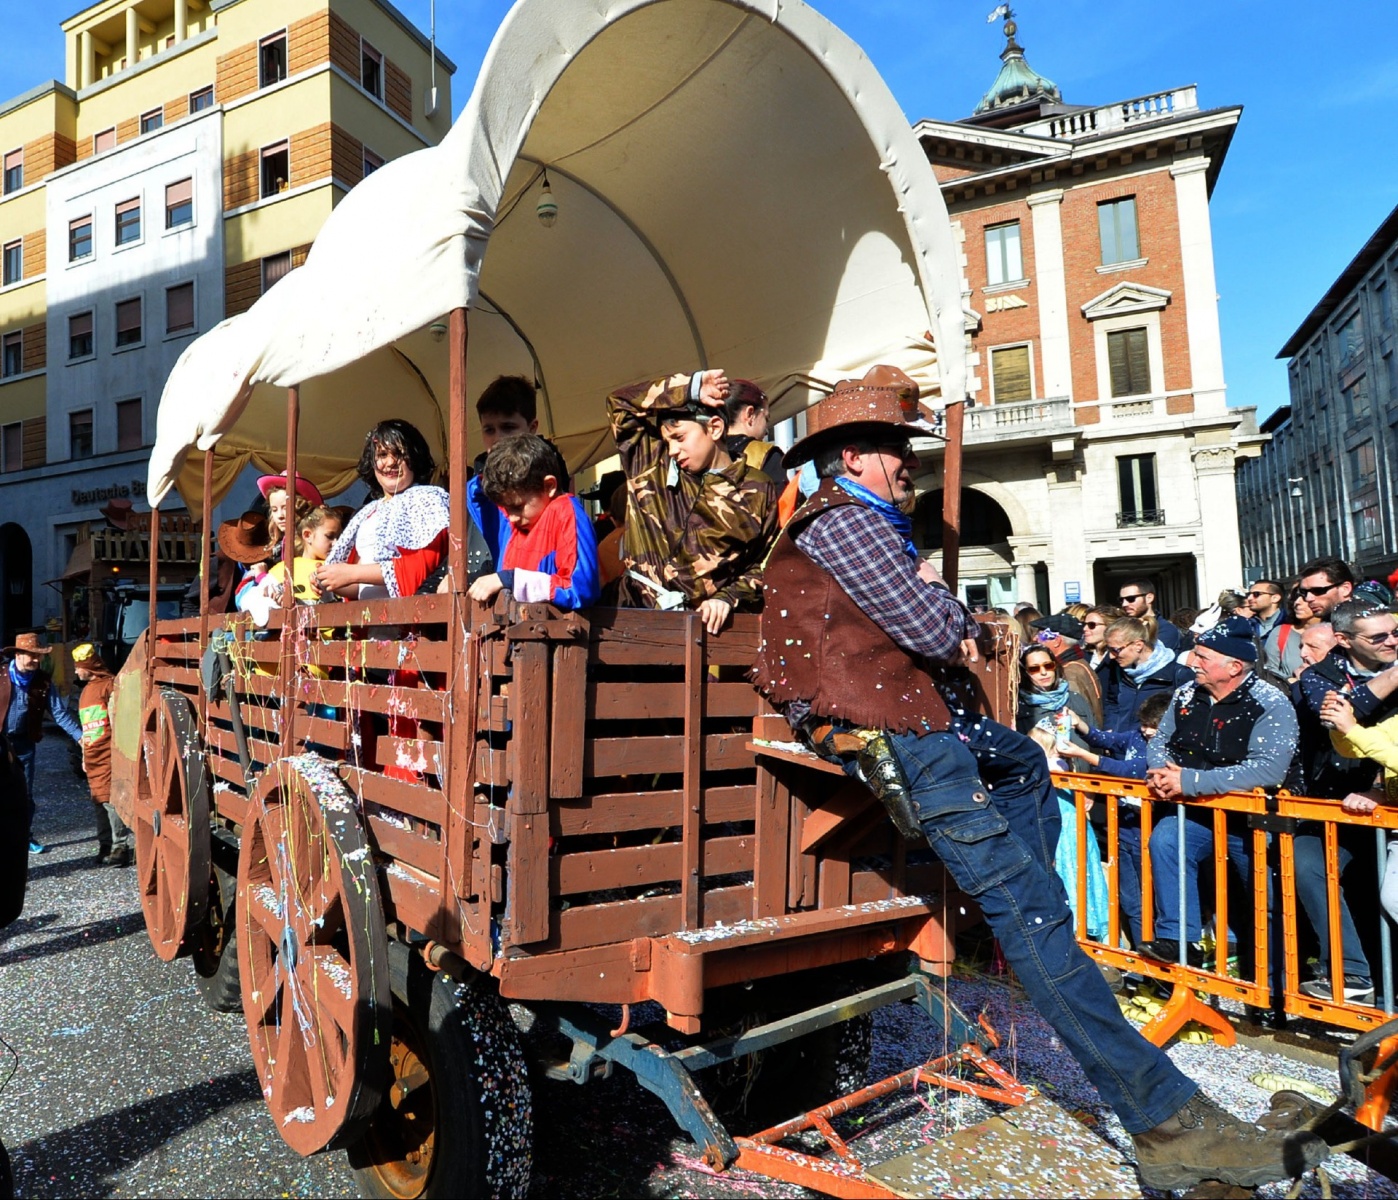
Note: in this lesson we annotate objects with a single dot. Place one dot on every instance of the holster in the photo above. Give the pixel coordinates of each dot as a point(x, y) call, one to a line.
point(876, 766)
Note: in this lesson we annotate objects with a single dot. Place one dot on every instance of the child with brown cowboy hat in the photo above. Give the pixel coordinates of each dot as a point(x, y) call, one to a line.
point(25, 693)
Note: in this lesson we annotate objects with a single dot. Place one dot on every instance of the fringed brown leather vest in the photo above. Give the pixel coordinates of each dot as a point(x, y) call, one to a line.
point(819, 647)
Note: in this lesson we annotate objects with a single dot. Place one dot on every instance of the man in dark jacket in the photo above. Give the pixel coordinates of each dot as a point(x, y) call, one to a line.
point(862, 648)
point(1138, 600)
point(1368, 646)
point(1227, 731)
point(26, 696)
point(1142, 666)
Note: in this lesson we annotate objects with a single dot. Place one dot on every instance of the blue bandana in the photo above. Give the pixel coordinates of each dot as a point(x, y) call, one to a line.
point(895, 516)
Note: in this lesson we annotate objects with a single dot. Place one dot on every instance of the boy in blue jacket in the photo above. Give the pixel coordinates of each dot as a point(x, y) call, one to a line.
point(1121, 755)
point(547, 551)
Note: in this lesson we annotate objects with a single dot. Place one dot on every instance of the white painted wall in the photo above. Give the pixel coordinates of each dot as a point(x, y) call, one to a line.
point(160, 258)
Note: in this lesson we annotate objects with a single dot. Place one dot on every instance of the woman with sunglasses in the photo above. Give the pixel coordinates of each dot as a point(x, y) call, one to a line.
point(1046, 699)
point(1281, 647)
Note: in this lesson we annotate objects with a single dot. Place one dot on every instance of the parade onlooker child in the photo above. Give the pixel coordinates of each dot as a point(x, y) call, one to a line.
point(699, 523)
point(274, 491)
point(547, 549)
point(114, 840)
point(1065, 859)
point(1122, 755)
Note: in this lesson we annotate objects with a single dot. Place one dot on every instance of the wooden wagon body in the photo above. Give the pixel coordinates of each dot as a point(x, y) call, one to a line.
point(554, 809)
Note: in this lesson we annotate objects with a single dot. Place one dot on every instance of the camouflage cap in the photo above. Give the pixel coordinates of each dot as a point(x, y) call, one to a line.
point(884, 402)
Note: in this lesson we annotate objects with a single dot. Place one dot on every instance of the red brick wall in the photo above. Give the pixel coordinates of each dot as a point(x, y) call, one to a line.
point(236, 74)
point(398, 90)
point(47, 154)
point(35, 249)
point(1158, 223)
point(36, 339)
point(34, 447)
point(1012, 325)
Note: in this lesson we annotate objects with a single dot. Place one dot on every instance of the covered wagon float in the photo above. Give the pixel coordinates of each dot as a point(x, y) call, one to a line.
point(408, 836)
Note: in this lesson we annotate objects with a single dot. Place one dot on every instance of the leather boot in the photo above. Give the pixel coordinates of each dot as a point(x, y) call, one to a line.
point(1202, 1141)
point(882, 775)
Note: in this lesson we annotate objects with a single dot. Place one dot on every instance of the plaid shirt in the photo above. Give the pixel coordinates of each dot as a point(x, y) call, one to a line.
point(869, 560)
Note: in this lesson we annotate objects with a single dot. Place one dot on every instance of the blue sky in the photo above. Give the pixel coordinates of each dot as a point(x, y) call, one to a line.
point(1306, 182)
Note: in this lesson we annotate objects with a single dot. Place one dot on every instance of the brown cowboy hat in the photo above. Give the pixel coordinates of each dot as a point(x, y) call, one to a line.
point(118, 512)
point(244, 540)
point(883, 402)
point(27, 643)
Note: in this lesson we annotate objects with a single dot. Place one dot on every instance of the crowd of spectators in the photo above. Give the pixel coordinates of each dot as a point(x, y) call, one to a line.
point(1286, 684)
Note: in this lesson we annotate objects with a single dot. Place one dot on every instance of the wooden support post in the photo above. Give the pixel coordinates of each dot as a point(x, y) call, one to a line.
point(458, 449)
point(286, 668)
point(529, 794)
point(951, 494)
point(154, 581)
point(206, 564)
point(691, 882)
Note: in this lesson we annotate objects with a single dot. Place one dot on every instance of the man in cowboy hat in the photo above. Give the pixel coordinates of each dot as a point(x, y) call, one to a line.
point(25, 692)
point(863, 648)
point(114, 846)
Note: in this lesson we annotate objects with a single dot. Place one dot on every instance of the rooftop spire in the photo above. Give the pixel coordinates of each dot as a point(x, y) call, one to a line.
point(1017, 81)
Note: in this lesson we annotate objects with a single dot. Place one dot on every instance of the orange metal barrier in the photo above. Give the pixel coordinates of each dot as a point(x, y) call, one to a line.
point(1268, 815)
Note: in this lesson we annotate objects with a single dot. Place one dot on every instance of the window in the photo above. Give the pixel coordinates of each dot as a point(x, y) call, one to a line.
point(1136, 486)
point(12, 447)
point(128, 222)
point(129, 434)
point(1129, 359)
point(14, 262)
point(1384, 301)
point(202, 99)
point(14, 171)
point(179, 203)
point(271, 60)
point(371, 70)
point(80, 335)
point(153, 120)
point(1002, 258)
point(104, 141)
point(1116, 222)
point(80, 434)
point(276, 169)
point(1009, 375)
point(1368, 524)
point(372, 162)
point(179, 308)
point(274, 267)
point(128, 322)
point(1356, 398)
point(12, 354)
point(1362, 466)
point(1349, 340)
point(79, 238)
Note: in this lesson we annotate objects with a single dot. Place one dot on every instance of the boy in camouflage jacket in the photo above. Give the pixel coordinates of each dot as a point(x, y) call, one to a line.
point(699, 523)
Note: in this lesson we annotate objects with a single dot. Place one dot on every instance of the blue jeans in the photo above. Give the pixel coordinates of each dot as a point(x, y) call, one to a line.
point(1128, 866)
point(988, 810)
point(1310, 891)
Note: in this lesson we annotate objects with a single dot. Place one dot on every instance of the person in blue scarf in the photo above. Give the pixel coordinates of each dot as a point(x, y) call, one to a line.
point(1142, 666)
point(1046, 699)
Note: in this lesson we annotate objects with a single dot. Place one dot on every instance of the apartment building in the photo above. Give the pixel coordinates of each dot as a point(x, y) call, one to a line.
point(1325, 482)
point(1100, 444)
point(183, 166)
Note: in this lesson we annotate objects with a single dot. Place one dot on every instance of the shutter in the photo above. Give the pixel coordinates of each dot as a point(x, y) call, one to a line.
point(80, 325)
point(274, 267)
point(77, 223)
point(1010, 370)
point(179, 307)
point(128, 317)
point(15, 158)
point(179, 193)
point(129, 433)
point(127, 206)
point(1128, 357)
point(103, 141)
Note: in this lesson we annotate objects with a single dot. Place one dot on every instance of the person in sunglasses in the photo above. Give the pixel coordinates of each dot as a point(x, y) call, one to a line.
point(1325, 583)
point(1363, 667)
point(1264, 601)
point(1138, 600)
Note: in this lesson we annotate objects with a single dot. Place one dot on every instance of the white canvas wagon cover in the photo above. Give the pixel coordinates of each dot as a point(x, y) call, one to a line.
point(736, 187)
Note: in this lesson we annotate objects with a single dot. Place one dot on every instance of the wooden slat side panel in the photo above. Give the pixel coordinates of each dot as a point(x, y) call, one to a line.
point(410, 754)
point(567, 727)
point(528, 804)
point(414, 800)
point(405, 845)
point(622, 701)
point(657, 755)
point(635, 866)
point(618, 813)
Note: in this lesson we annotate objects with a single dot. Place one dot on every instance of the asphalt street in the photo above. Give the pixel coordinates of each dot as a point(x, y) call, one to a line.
point(117, 1081)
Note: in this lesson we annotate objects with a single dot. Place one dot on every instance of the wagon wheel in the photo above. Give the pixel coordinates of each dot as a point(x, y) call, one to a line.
point(171, 823)
point(313, 955)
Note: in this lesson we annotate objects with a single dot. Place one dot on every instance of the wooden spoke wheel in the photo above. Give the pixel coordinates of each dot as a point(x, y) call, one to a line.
point(313, 956)
point(171, 824)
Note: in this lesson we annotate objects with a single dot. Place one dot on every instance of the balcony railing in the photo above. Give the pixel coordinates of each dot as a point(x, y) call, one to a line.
point(1091, 122)
point(1139, 518)
point(1027, 418)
